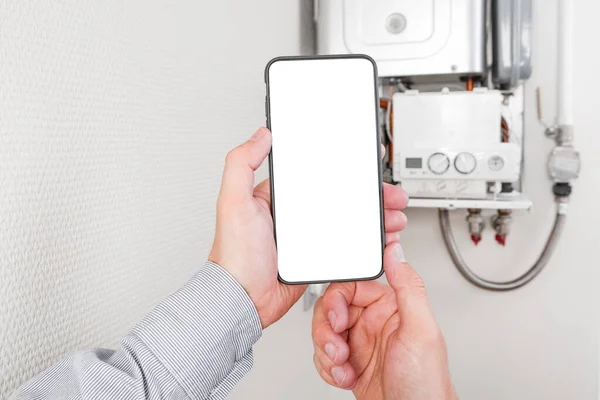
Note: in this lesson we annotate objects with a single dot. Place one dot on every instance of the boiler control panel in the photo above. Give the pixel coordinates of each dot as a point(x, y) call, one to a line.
point(501, 163)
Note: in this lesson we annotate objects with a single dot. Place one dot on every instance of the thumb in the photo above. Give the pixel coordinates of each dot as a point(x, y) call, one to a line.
point(413, 305)
point(240, 164)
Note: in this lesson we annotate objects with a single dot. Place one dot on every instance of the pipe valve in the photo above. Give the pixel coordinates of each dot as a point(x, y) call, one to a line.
point(501, 223)
point(476, 225)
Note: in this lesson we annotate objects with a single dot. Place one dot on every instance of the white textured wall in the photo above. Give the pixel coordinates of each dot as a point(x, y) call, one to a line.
point(115, 117)
point(114, 120)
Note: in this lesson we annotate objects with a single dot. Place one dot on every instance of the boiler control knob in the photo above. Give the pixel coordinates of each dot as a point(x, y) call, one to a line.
point(496, 163)
point(438, 163)
point(465, 163)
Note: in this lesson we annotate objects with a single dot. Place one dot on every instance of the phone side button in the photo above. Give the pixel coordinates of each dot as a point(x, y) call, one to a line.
point(266, 113)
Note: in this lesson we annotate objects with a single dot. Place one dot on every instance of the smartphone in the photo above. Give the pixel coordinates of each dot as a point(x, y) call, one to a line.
point(325, 167)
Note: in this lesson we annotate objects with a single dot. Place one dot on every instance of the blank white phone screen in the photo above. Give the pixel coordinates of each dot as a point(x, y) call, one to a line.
point(325, 169)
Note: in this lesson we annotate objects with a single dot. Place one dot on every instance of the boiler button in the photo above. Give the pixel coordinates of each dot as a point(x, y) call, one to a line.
point(395, 23)
point(496, 163)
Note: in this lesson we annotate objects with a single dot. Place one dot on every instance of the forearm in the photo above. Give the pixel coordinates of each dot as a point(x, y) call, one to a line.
point(196, 344)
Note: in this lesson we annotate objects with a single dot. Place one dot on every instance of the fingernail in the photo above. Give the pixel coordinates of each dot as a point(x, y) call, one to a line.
point(259, 134)
point(332, 319)
point(339, 375)
point(399, 253)
point(331, 351)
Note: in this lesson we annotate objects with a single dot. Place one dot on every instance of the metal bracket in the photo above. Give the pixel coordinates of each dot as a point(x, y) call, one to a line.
point(312, 294)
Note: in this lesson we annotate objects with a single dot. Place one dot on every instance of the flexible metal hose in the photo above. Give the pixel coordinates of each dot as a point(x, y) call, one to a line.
point(516, 283)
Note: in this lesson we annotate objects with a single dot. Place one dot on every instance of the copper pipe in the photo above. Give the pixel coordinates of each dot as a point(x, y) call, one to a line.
point(385, 104)
point(470, 84)
point(392, 135)
point(504, 130)
point(391, 125)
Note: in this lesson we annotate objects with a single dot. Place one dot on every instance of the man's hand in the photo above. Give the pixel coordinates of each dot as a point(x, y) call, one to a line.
point(244, 242)
point(382, 342)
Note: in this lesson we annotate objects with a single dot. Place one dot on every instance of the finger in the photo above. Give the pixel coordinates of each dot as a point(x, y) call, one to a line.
point(394, 197)
point(240, 164)
point(263, 191)
point(325, 375)
point(264, 186)
point(413, 306)
point(339, 296)
point(392, 237)
point(394, 220)
point(383, 150)
point(333, 344)
point(354, 313)
point(340, 376)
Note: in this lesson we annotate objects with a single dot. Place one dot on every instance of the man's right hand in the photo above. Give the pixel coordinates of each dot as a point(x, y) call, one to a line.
point(379, 341)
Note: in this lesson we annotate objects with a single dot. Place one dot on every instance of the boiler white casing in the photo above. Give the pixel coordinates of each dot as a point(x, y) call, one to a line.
point(406, 37)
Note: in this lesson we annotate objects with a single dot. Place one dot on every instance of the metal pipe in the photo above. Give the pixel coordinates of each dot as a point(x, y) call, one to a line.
point(565, 64)
point(513, 284)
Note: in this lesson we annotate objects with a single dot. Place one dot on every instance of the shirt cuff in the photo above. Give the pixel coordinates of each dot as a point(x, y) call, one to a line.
point(204, 332)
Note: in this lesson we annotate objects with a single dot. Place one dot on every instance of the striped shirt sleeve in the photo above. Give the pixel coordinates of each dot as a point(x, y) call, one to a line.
point(196, 344)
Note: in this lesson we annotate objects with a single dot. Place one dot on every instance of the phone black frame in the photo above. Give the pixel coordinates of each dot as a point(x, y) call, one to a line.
point(379, 164)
